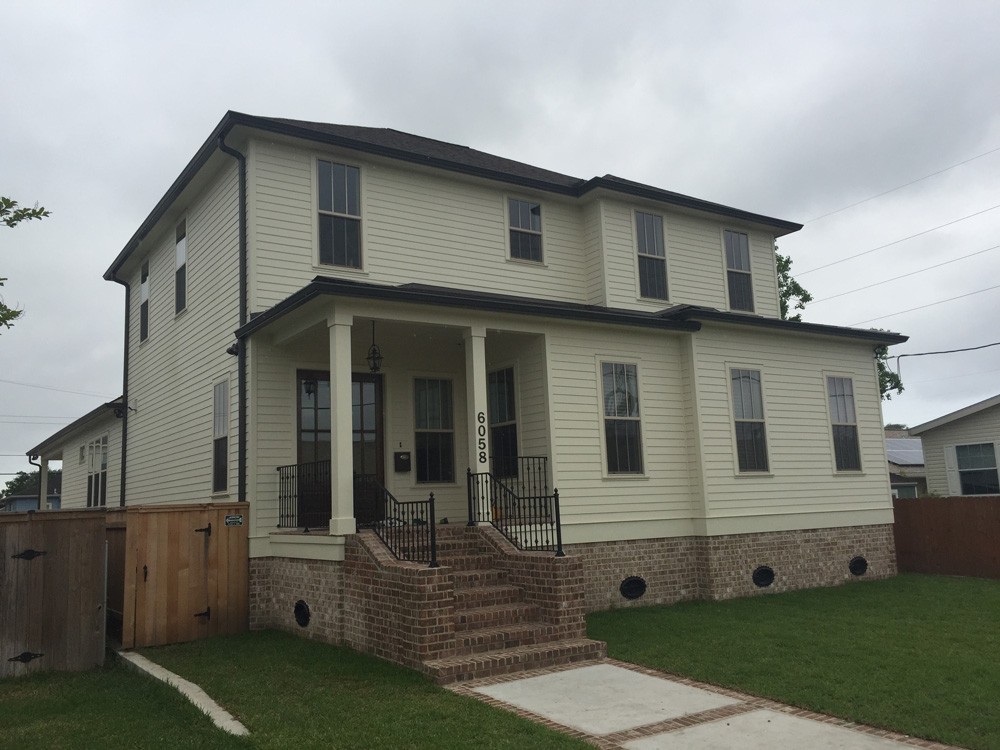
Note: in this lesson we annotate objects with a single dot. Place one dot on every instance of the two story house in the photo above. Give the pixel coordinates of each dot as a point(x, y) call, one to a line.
point(324, 320)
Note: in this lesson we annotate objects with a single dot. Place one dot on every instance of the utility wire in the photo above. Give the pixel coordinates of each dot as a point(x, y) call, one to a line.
point(896, 242)
point(58, 390)
point(898, 357)
point(931, 304)
point(905, 275)
point(900, 187)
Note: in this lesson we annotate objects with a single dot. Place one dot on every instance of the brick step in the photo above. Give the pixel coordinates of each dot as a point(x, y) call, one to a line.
point(466, 561)
point(511, 660)
point(475, 618)
point(480, 595)
point(504, 637)
point(470, 577)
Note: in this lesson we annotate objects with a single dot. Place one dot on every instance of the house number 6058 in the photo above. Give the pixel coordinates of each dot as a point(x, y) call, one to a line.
point(481, 418)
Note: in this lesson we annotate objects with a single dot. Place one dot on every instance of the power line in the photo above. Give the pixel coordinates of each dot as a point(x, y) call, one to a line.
point(946, 351)
point(931, 304)
point(953, 377)
point(58, 390)
point(896, 242)
point(905, 275)
point(900, 187)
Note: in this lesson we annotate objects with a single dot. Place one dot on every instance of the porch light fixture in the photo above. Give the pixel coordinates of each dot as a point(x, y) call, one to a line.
point(374, 354)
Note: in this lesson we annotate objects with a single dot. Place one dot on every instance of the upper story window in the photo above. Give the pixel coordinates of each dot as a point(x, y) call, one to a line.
point(622, 428)
point(180, 274)
point(220, 436)
point(748, 415)
point(339, 215)
point(738, 271)
point(525, 229)
point(844, 421)
point(144, 301)
point(977, 469)
point(652, 255)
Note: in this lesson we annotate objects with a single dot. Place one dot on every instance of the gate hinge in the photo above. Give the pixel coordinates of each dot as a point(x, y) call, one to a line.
point(207, 614)
point(28, 554)
point(25, 656)
point(207, 531)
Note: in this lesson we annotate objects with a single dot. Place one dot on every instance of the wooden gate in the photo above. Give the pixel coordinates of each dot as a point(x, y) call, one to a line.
point(52, 578)
point(185, 572)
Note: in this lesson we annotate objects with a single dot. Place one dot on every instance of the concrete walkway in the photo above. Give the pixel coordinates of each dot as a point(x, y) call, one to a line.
point(615, 705)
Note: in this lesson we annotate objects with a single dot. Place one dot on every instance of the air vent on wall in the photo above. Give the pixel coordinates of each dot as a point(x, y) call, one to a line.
point(763, 576)
point(858, 566)
point(632, 587)
point(302, 613)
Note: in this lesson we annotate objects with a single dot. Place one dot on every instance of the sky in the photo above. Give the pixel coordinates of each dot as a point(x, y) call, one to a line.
point(874, 124)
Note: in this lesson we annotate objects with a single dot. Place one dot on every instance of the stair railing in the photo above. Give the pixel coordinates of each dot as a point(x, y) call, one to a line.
point(530, 522)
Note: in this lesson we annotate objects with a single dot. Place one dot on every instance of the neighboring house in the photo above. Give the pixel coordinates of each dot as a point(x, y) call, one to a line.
point(15, 503)
point(90, 451)
point(961, 450)
point(320, 317)
point(907, 476)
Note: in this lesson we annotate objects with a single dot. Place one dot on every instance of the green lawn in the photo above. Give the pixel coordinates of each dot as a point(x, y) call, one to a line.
point(916, 654)
point(288, 691)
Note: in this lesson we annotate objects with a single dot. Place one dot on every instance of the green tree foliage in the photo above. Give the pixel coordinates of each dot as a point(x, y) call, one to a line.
point(26, 483)
point(12, 214)
point(792, 295)
point(888, 381)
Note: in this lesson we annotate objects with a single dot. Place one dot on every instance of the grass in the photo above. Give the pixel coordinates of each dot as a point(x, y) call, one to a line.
point(915, 654)
point(288, 691)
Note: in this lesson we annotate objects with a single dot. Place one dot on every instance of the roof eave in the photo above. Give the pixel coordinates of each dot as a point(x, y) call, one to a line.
point(91, 416)
point(954, 416)
point(884, 338)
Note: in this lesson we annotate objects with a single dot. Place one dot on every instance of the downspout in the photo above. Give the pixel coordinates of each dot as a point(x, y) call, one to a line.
point(41, 500)
point(124, 409)
point(244, 305)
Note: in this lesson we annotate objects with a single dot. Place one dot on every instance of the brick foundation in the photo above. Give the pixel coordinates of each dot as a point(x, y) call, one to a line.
point(276, 583)
point(721, 567)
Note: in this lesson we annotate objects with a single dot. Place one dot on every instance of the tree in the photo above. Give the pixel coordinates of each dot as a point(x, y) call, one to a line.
point(25, 483)
point(12, 214)
point(888, 381)
point(789, 290)
point(896, 426)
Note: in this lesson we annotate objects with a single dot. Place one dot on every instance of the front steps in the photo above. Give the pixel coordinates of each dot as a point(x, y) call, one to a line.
point(498, 629)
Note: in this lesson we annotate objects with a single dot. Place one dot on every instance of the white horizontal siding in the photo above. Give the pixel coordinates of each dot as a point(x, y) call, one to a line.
point(75, 473)
point(983, 427)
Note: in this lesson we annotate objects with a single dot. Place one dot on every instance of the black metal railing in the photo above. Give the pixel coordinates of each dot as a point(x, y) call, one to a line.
point(304, 495)
point(530, 522)
point(406, 528)
point(527, 476)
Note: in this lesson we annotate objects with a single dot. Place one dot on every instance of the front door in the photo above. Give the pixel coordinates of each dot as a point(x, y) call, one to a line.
point(369, 462)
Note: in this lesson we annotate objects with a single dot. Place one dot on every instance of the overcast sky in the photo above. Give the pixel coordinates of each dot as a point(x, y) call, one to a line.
point(790, 109)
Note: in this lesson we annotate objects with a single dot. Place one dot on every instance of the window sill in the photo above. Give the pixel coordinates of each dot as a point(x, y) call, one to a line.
point(752, 474)
point(219, 495)
point(324, 269)
point(625, 477)
point(653, 301)
point(526, 262)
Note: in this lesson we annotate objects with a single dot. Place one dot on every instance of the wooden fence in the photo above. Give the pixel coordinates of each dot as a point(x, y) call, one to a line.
point(52, 591)
point(948, 535)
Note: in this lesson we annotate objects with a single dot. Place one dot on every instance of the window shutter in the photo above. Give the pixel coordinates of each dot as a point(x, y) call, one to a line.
point(951, 470)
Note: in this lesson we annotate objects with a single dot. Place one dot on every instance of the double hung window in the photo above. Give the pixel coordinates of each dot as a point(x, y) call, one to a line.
point(977, 469)
point(844, 422)
point(144, 301)
point(220, 437)
point(748, 414)
point(525, 229)
point(622, 428)
point(652, 255)
point(435, 430)
point(339, 215)
point(180, 265)
point(97, 472)
point(739, 278)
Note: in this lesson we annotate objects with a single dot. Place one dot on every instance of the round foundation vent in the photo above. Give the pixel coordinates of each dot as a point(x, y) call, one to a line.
point(302, 613)
point(858, 566)
point(763, 576)
point(633, 587)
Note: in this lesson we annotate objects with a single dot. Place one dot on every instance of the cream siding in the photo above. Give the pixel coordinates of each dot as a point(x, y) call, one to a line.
point(802, 476)
point(172, 372)
point(75, 472)
point(593, 252)
point(983, 427)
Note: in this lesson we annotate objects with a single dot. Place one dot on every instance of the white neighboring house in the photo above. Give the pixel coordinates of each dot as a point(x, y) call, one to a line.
point(961, 450)
point(90, 451)
point(615, 340)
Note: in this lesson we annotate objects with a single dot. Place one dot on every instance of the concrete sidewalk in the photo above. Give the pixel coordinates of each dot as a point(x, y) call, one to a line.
point(615, 705)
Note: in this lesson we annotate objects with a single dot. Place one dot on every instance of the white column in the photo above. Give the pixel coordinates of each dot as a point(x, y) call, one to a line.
point(43, 483)
point(341, 451)
point(475, 390)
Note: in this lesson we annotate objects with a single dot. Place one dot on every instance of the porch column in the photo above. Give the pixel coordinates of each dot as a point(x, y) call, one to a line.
point(475, 390)
point(43, 483)
point(341, 451)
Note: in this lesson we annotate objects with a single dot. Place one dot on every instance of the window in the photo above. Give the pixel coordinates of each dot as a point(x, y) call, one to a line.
point(503, 421)
point(748, 413)
point(652, 256)
point(220, 437)
point(97, 472)
point(845, 424)
point(622, 431)
point(435, 430)
point(180, 274)
point(977, 469)
point(738, 271)
point(525, 230)
point(339, 215)
point(144, 301)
